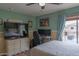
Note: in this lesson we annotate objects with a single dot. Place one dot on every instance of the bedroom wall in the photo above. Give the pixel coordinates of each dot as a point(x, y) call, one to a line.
point(15, 16)
point(53, 19)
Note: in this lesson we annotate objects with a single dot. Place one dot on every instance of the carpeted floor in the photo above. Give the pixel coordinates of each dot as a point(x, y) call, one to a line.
point(24, 53)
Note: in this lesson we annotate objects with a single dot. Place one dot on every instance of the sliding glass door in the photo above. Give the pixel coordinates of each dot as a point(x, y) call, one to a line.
point(70, 31)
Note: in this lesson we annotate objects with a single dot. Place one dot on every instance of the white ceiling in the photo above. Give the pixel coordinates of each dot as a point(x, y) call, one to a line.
point(35, 10)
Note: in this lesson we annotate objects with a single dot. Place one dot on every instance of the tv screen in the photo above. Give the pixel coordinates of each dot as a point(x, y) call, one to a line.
point(44, 32)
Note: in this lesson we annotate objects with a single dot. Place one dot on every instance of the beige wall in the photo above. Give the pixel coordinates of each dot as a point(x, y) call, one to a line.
point(53, 35)
point(2, 43)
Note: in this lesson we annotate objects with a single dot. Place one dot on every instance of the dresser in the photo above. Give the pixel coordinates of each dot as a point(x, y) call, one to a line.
point(15, 46)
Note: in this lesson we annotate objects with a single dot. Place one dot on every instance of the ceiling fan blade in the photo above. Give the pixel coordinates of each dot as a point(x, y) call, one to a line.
point(29, 4)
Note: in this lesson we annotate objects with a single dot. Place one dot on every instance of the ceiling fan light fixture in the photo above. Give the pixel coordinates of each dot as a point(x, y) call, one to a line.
point(42, 4)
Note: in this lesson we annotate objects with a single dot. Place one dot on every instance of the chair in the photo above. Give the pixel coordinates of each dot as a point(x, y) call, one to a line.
point(36, 39)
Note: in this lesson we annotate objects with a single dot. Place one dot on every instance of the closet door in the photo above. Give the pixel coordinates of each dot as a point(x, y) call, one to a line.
point(27, 43)
point(24, 44)
point(17, 46)
point(10, 47)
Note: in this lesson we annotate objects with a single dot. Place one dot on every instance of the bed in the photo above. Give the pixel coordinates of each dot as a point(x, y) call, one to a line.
point(56, 48)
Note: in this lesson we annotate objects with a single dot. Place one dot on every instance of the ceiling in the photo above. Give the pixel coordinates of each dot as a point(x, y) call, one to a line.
point(35, 10)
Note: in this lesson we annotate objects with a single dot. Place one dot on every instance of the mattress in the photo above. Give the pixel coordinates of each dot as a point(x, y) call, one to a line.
point(56, 48)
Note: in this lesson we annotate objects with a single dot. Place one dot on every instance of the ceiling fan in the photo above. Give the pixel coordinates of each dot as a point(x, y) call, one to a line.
point(42, 5)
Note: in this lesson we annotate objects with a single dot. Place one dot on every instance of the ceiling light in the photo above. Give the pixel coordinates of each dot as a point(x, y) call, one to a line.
point(42, 4)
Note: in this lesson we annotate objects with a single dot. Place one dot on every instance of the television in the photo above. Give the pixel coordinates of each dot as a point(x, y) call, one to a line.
point(44, 32)
point(15, 30)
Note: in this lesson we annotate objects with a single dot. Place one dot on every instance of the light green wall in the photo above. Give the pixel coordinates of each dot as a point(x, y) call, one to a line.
point(52, 22)
point(53, 17)
point(71, 11)
point(15, 16)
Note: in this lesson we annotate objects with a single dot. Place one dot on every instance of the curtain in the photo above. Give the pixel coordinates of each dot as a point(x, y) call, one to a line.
point(60, 26)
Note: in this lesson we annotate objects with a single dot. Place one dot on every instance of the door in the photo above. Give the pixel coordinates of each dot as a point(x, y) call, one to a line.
point(70, 31)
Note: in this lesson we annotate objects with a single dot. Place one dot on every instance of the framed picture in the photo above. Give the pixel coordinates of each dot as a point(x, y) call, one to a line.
point(30, 24)
point(44, 22)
